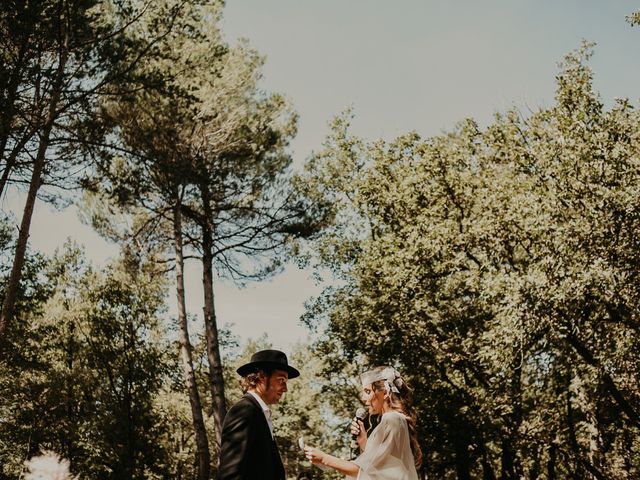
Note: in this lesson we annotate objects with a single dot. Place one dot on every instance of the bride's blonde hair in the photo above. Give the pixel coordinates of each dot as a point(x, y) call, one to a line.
point(399, 398)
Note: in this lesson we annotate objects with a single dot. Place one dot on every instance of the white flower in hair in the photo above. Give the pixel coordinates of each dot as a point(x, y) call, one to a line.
point(389, 376)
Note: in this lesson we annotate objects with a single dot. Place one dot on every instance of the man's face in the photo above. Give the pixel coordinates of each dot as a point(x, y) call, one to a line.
point(273, 387)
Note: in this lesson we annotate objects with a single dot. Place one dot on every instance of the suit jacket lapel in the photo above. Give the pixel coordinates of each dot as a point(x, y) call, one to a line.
point(264, 422)
point(266, 433)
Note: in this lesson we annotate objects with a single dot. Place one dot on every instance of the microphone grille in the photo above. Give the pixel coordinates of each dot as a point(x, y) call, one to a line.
point(361, 413)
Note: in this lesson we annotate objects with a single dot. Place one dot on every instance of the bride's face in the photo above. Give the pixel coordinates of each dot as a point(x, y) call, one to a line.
point(373, 399)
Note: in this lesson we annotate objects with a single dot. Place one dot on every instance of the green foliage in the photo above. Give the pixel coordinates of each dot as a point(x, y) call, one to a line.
point(207, 135)
point(83, 378)
point(199, 161)
point(498, 270)
point(59, 58)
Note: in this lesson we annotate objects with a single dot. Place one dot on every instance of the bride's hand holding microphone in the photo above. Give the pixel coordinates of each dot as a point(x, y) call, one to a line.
point(358, 430)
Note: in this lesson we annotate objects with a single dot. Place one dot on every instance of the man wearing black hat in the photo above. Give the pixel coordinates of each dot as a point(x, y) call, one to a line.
point(248, 450)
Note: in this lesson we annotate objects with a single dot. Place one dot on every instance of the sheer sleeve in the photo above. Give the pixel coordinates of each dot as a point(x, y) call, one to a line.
point(387, 455)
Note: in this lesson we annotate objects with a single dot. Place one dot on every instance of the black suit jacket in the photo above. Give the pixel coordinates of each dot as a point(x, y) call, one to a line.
point(248, 452)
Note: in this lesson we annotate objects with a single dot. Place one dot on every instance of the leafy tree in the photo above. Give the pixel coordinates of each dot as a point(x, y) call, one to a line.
point(497, 269)
point(241, 212)
point(84, 379)
point(59, 58)
point(203, 165)
point(149, 179)
point(17, 422)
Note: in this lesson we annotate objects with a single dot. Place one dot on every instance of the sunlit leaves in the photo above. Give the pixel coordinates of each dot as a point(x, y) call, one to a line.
point(498, 268)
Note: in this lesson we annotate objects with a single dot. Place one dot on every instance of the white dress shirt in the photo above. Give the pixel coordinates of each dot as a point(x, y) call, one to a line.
point(265, 409)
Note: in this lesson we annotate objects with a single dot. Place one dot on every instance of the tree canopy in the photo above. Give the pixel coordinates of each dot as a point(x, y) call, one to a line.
point(498, 268)
point(495, 266)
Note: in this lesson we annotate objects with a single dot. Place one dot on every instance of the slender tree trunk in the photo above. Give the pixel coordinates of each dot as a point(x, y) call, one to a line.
point(11, 158)
point(487, 469)
point(202, 444)
point(5, 128)
point(551, 464)
point(70, 437)
point(129, 399)
point(507, 470)
point(7, 117)
point(571, 432)
point(463, 462)
point(130, 448)
point(11, 294)
point(216, 379)
point(511, 466)
point(593, 426)
point(587, 355)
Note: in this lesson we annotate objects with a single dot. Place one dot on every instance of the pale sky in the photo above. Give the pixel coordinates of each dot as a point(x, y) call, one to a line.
point(402, 66)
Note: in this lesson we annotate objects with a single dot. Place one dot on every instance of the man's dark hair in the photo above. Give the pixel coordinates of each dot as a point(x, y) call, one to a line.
point(252, 379)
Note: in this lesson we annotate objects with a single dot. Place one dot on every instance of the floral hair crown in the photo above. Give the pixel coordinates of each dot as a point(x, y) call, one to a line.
point(390, 375)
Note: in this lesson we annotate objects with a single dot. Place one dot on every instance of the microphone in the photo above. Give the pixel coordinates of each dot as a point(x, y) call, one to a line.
point(361, 414)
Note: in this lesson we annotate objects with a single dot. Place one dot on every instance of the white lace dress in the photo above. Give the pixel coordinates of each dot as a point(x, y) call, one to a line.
point(387, 455)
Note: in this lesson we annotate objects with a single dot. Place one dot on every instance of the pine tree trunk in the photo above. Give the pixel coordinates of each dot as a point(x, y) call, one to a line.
point(6, 119)
point(10, 160)
point(216, 379)
point(551, 464)
point(13, 283)
point(593, 427)
point(202, 444)
point(576, 469)
point(462, 460)
point(487, 469)
point(610, 386)
point(511, 465)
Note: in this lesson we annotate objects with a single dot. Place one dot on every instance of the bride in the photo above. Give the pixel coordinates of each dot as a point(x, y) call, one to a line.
point(392, 451)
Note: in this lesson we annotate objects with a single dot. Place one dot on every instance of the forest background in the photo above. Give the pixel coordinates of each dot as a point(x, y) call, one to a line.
point(495, 264)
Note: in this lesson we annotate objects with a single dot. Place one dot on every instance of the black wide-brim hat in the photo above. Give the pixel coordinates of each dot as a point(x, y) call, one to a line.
point(274, 359)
